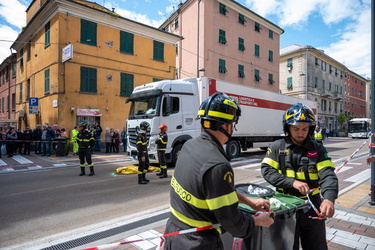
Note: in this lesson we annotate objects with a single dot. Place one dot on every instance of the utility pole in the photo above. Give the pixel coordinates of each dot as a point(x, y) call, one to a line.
point(372, 202)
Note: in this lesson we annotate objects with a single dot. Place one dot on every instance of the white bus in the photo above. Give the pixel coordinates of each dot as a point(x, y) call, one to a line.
point(359, 127)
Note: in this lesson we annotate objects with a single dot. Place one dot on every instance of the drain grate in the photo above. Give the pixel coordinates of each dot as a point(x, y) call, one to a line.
point(108, 233)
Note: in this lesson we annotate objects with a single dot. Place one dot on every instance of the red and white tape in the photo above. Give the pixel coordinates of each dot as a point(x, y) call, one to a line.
point(350, 157)
point(186, 231)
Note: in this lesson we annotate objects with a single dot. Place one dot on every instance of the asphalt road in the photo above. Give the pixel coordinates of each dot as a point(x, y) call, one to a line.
point(41, 203)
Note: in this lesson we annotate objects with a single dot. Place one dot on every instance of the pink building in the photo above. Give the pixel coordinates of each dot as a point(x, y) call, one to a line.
point(8, 92)
point(225, 40)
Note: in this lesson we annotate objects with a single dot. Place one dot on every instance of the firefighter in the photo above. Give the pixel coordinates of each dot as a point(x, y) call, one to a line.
point(202, 188)
point(161, 143)
point(295, 165)
point(85, 142)
point(142, 153)
point(318, 135)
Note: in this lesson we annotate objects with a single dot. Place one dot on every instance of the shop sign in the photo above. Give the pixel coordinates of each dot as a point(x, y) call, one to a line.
point(88, 112)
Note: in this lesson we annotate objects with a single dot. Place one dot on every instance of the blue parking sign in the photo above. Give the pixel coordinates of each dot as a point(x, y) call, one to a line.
point(33, 101)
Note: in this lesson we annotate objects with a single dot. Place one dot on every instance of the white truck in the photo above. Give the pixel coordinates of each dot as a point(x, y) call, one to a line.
point(176, 103)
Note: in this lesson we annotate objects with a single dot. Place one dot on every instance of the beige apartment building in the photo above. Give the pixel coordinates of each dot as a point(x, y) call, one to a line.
point(225, 40)
point(309, 73)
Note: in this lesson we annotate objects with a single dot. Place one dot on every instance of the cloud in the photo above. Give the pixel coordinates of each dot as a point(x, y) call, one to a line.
point(6, 33)
point(138, 17)
point(13, 12)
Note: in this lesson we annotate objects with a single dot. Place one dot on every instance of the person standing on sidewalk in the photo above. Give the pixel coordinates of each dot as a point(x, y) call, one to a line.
point(98, 132)
point(142, 153)
point(161, 143)
point(85, 142)
point(299, 166)
point(10, 137)
point(47, 136)
point(202, 188)
point(74, 140)
point(37, 136)
point(28, 137)
point(124, 138)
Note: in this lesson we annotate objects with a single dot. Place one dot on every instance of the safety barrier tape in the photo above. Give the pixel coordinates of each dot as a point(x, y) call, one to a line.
point(350, 157)
point(186, 231)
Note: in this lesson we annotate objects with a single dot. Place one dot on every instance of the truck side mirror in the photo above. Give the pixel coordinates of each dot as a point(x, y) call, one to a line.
point(167, 106)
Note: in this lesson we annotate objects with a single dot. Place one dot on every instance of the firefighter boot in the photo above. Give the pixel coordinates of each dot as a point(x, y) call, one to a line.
point(163, 173)
point(160, 172)
point(141, 180)
point(144, 178)
point(91, 171)
point(82, 171)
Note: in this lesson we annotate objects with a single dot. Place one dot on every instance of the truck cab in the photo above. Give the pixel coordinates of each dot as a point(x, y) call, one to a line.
point(174, 103)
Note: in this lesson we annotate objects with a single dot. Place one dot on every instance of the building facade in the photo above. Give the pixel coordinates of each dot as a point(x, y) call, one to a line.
point(8, 73)
point(81, 61)
point(309, 73)
point(355, 95)
point(225, 40)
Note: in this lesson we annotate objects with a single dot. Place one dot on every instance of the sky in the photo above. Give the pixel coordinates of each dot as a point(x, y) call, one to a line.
point(342, 28)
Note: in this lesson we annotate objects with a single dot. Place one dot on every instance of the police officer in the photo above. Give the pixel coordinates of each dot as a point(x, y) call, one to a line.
point(142, 153)
point(202, 188)
point(85, 142)
point(161, 143)
point(295, 165)
point(318, 135)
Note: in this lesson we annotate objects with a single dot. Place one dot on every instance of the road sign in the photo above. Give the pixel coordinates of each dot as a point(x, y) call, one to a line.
point(33, 105)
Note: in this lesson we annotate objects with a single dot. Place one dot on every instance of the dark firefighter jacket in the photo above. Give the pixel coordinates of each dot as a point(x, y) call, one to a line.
point(85, 139)
point(318, 168)
point(141, 144)
point(162, 141)
point(203, 191)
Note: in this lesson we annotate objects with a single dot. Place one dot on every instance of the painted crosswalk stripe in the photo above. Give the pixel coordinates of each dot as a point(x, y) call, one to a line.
point(2, 163)
point(35, 167)
point(21, 159)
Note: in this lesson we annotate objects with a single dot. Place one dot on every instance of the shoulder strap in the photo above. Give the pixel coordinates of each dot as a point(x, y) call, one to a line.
point(282, 155)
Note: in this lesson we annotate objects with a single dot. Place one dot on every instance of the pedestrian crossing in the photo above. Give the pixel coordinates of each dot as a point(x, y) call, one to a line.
point(22, 163)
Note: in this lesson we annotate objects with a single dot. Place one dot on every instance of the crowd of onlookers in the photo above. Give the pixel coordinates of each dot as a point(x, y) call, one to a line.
point(41, 139)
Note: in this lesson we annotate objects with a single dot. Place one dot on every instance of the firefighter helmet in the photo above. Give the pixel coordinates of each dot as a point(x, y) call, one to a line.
point(144, 126)
point(218, 109)
point(163, 127)
point(298, 114)
point(83, 124)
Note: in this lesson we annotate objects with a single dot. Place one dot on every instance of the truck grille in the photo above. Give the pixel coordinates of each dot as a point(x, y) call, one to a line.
point(132, 132)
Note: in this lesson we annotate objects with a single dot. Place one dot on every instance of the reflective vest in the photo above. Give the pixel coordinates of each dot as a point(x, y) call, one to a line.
point(318, 136)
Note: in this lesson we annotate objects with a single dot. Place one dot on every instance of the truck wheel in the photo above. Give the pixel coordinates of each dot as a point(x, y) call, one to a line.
point(233, 149)
point(175, 152)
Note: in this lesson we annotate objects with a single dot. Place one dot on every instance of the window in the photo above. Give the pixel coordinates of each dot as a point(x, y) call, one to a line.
point(27, 90)
point(175, 106)
point(222, 38)
point(14, 70)
point(256, 50)
point(316, 82)
point(324, 104)
point(222, 9)
point(2, 104)
point(289, 84)
point(241, 19)
point(336, 88)
point(156, 79)
point(257, 27)
point(323, 84)
point(47, 35)
point(46, 81)
point(222, 68)
point(270, 55)
point(241, 44)
point(88, 80)
point(270, 79)
point(158, 51)
point(14, 101)
point(126, 42)
point(28, 51)
point(88, 32)
point(241, 72)
point(270, 34)
point(289, 63)
point(324, 66)
point(336, 74)
point(329, 86)
point(176, 23)
point(126, 84)
point(257, 77)
point(8, 103)
point(21, 58)
point(20, 99)
point(330, 69)
point(316, 61)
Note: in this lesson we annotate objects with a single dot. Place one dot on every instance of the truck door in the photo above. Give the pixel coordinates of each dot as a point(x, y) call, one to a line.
point(171, 115)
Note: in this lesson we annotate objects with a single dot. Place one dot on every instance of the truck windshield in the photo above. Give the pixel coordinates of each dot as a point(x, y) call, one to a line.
point(144, 107)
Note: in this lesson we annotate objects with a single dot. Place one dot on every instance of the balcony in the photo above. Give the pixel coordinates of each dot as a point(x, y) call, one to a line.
point(337, 96)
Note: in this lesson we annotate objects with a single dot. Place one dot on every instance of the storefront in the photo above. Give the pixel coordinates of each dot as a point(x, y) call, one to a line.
point(90, 116)
point(6, 123)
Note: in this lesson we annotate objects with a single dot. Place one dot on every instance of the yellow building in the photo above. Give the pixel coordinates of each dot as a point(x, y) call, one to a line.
point(80, 61)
